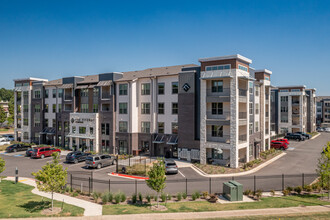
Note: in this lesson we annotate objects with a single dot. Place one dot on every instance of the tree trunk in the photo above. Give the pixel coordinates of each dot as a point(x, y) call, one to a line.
point(157, 199)
point(52, 200)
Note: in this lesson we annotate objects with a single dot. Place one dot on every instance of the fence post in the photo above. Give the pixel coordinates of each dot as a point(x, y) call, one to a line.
point(109, 184)
point(135, 187)
point(71, 181)
point(89, 185)
point(92, 182)
point(255, 183)
point(117, 165)
point(282, 181)
point(186, 186)
point(233, 178)
point(145, 166)
point(302, 179)
point(129, 161)
point(210, 186)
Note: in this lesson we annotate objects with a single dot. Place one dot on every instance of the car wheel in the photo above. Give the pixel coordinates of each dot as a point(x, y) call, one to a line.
point(75, 161)
point(42, 156)
point(99, 166)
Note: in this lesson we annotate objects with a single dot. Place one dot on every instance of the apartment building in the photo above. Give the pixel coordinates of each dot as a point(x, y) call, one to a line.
point(323, 111)
point(217, 112)
point(293, 109)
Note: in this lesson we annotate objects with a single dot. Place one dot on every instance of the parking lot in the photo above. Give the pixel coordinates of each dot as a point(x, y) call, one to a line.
point(301, 157)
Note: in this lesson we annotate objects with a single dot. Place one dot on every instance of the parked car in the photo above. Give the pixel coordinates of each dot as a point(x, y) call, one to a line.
point(171, 167)
point(326, 129)
point(16, 147)
point(99, 161)
point(42, 152)
point(9, 137)
point(308, 136)
point(3, 141)
point(76, 157)
point(279, 145)
point(28, 152)
point(297, 137)
point(284, 140)
point(319, 129)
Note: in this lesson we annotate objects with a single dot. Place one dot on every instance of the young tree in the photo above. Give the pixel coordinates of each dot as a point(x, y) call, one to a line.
point(323, 167)
point(157, 177)
point(3, 115)
point(51, 178)
point(11, 105)
point(2, 166)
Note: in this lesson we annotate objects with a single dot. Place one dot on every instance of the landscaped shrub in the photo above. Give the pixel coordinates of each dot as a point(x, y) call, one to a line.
point(298, 189)
point(148, 198)
point(163, 197)
point(117, 198)
point(122, 197)
point(184, 195)
point(247, 192)
point(289, 188)
point(96, 196)
point(205, 194)
point(179, 196)
point(308, 188)
point(140, 197)
point(272, 192)
point(105, 198)
point(110, 197)
point(193, 197)
point(74, 194)
point(258, 194)
point(169, 197)
point(68, 189)
point(155, 198)
point(197, 194)
point(134, 198)
point(136, 169)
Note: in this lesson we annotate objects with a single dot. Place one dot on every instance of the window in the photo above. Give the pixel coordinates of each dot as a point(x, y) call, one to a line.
point(251, 150)
point(241, 67)
point(54, 108)
point(96, 92)
point(84, 92)
point(123, 89)
point(59, 128)
point(284, 98)
point(145, 108)
point(284, 90)
point(37, 94)
point(217, 131)
point(36, 122)
point(105, 128)
point(218, 67)
point(161, 88)
point(60, 93)
point(257, 126)
point(251, 87)
point(25, 122)
point(91, 130)
point(66, 126)
point(25, 94)
point(161, 108)
point(123, 108)
point(73, 129)
point(46, 123)
point(216, 154)
point(175, 128)
point(175, 108)
point(37, 108)
point(25, 135)
point(266, 78)
point(217, 108)
point(59, 107)
point(82, 130)
point(25, 108)
point(251, 108)
point(161, 127)
point(284, 109)
point(251, 128)
point(284, 119)
point(105, 107)
point(217, 86)
point(257, 108)
point(145, 89)
point(175, 87)
point(54, 93)
point(295, 90)
point(95, 108)
point(145, 127)
point(123, 147)
point(84, 108)
point(257, 88)
point(123, 126)
point(54, 123)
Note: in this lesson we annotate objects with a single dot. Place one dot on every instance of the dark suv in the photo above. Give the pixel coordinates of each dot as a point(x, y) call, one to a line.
point(16, 147)
point(297, 137)
point(308, 136)
point(76, 157)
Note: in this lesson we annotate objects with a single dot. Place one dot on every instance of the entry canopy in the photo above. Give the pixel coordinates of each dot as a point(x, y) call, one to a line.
point(159, 139)
point(173, 140)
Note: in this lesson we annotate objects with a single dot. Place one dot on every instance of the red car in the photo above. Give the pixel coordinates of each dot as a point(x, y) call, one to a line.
point(42, 152)
point(279, 145)
point(284, 140)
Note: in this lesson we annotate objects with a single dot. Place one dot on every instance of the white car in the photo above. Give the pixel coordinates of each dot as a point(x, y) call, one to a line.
point(327, 129)
point(3, 141)
point(9, 137)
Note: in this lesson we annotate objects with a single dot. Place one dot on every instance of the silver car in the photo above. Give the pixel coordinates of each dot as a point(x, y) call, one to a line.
point(171, 167)
point(99, 161)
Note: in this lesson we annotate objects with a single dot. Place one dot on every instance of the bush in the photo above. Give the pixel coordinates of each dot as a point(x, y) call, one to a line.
point(193, 197)
point(122, 197)
point(75, 194)
point(136, 169)
point(96, 196)
point(286, 192)
point(205, 194)
point(184, 195)
point(148, 198)
point(156, 198)
point(179, 196)
point(289, 188)
point(169, 197)
point(134, 198)
point(163, 197)
point(298, 189)
point(272, 192)
point(110, 197)
point(140, 197)
point(247, 192)
point(197, 194)
point(308, 188)
point(68, 189)
point(258, 194)
point(105, 199)
point(117, 198)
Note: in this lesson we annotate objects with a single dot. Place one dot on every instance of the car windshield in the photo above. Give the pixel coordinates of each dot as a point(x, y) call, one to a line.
point(171, 164)
point(89, 158)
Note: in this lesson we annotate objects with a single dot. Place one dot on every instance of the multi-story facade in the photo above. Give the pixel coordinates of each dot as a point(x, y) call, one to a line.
point(216, 112)
point(293, 109)
point(323, 111)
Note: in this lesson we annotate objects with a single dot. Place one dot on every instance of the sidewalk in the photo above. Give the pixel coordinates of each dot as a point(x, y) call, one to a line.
point(91, 209)
point(205, 215)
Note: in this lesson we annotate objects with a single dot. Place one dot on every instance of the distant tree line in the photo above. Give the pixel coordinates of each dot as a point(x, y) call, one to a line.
point(7, 95)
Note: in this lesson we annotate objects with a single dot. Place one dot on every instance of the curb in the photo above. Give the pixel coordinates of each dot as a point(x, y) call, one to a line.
point(316, 136)
point(128, 176)
point(202, 173)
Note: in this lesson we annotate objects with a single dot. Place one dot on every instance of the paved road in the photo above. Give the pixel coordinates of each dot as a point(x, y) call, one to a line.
point(301, 158)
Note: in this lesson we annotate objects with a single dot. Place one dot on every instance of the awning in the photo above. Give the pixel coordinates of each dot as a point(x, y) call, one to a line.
point(159, 139)
point(48, 131)
point(247, 77)
point(91, 86)
point(82, 87)
point(173, 140)
point(104, 83)
point(257, 140)
point(66, 86)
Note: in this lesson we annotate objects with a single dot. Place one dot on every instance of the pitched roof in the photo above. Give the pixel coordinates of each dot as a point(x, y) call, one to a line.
point(89, 79)
point(55, 82)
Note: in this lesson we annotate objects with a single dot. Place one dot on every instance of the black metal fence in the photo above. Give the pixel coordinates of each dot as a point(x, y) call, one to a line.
point(85, 182)
point(138, 163)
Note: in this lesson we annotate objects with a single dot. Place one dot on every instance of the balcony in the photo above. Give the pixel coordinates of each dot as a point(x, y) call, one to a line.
point(105, 95)
point(242, 138)
point(224, 116)
point(295, 122)
point(224, 139)
point(267, 114)
point(242, 95)
point(295, 102)
point(214, 95)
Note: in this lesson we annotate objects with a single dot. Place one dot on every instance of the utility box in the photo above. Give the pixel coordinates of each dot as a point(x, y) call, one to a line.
point(230, 191)
point(239, 190)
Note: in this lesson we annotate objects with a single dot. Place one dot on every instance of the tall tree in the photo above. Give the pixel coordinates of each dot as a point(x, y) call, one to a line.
point(2, 166)
point(10, 118)
point(52, 177)
point(323, 168)
point(3, 115)
point(157, 177)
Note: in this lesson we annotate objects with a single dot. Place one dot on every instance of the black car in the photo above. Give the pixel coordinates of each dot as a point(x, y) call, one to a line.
point(76, 157)
point(16, 147)
point(308, 136)
point(297, 137)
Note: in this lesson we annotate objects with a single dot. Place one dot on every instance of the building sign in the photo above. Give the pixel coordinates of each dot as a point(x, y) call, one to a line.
point(82, 120)
point(186, 87)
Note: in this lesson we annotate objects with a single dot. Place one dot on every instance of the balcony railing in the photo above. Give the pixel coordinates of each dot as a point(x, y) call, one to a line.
point(68, 97)
point(218, 92)
point(224, 116)
point(224, 139)
point(267, 114)
point(105, 95)
point(267, 131)
point(242, 92)
point(242, 138)
point(295, 122)
point(242, 115)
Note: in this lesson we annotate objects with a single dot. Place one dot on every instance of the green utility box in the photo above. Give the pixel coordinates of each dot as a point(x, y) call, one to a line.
point(230, 191)
point(239, 190)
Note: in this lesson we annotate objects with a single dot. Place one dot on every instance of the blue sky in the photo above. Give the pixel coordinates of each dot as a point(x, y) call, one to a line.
point(54, 39)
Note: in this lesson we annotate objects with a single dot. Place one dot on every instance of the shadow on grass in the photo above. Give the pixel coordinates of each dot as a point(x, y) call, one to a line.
point(35, 206)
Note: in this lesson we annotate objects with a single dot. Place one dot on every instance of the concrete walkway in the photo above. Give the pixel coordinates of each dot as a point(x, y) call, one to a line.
point(91, 209)
point(205, 215)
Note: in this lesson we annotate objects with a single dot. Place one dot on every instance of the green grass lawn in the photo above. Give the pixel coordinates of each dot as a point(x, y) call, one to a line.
point(311, 216)
point(202, 206)
point(17, 201)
